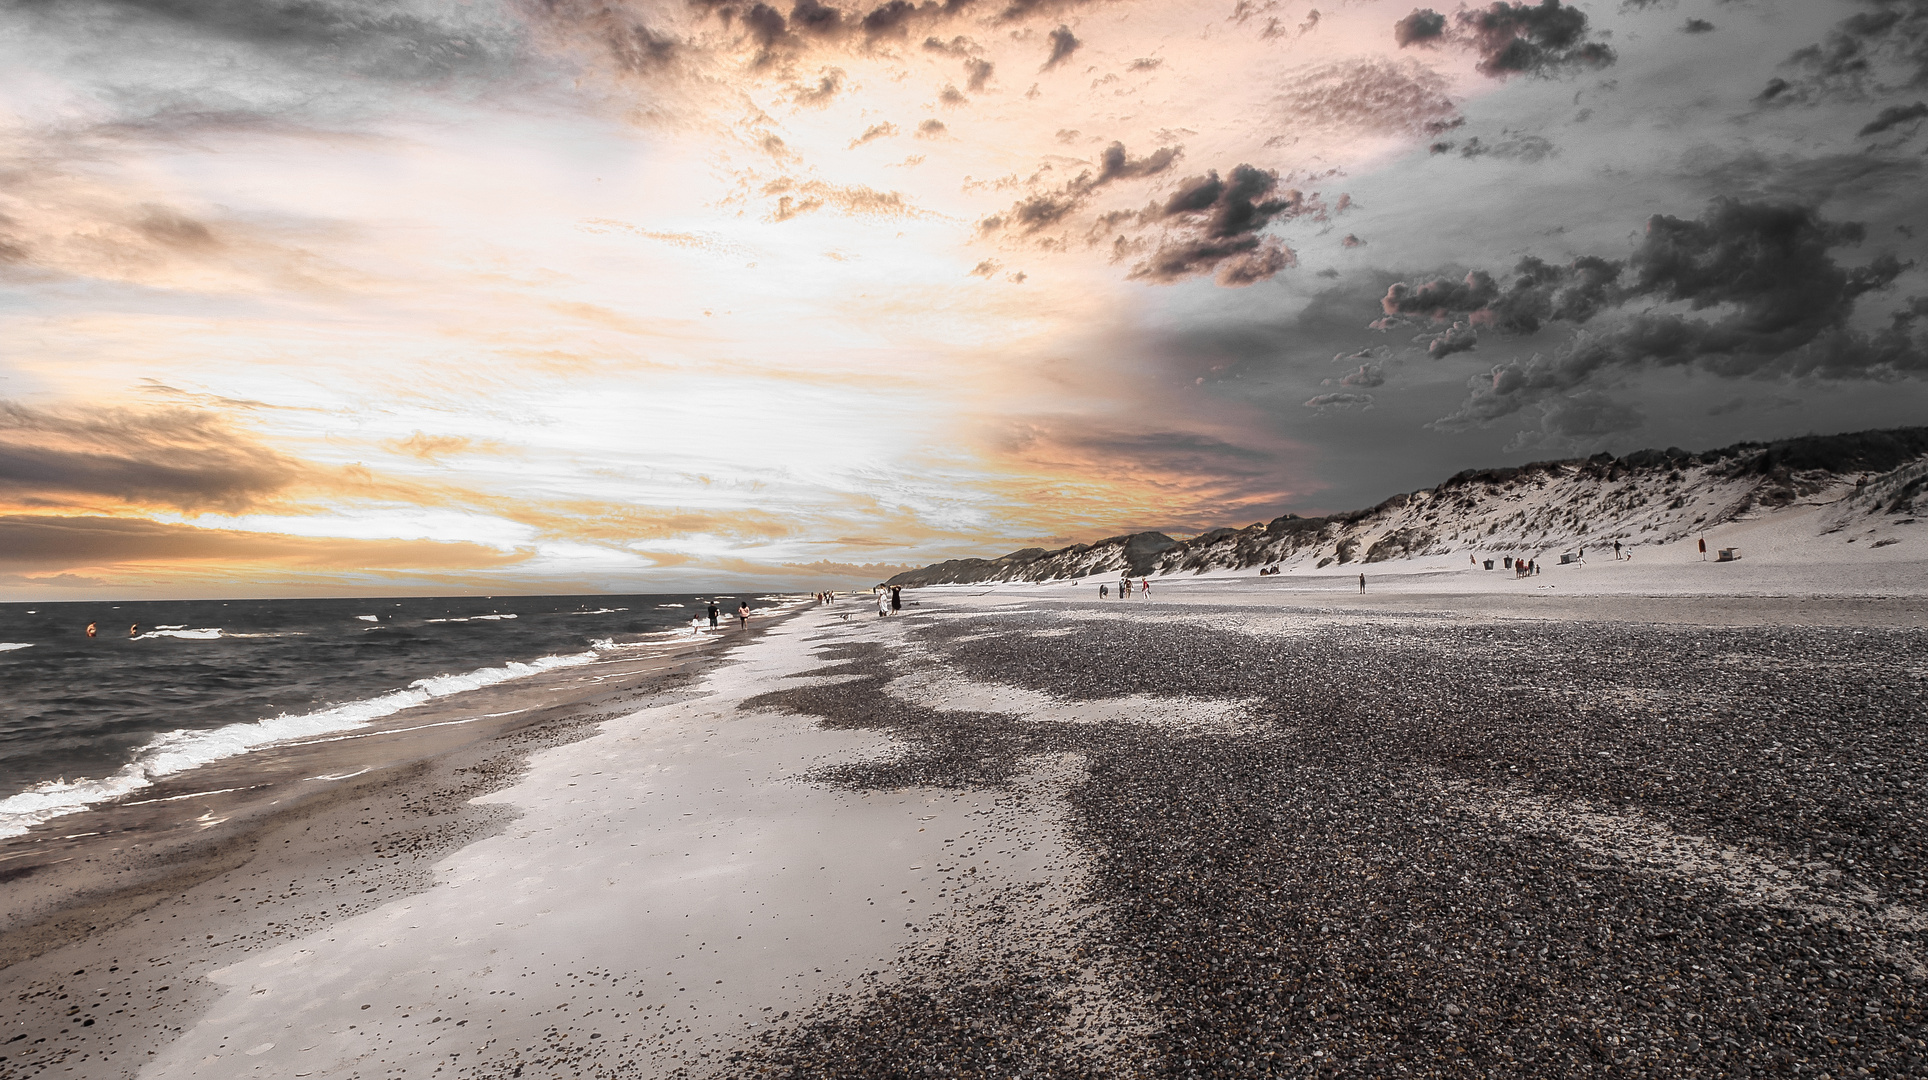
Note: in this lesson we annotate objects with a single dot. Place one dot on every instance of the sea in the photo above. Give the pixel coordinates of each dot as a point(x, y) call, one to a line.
point(167, 686)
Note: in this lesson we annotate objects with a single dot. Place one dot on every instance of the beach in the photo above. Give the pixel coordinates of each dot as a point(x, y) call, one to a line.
point(1462, 824)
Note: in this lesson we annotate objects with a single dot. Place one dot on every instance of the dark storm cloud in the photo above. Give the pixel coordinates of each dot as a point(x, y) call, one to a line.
point(34, 542)
point(1697, 26)
point(1239, 260)
point(185, 459)
point(1422, 27)
point(1217, 222)
point(1783, 304)
point(1512, 39)
point(385, 41)
point(1063, 44)
point(978, 73)
point(1894, 115)
point(1861, 55)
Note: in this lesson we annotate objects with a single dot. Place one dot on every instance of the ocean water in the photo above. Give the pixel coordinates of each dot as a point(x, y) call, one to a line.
point(85, 721)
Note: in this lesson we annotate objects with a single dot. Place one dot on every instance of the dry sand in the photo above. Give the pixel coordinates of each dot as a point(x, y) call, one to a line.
point(857, 844)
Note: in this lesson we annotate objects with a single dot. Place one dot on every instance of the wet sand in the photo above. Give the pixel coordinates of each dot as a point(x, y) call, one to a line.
point(1019, 830)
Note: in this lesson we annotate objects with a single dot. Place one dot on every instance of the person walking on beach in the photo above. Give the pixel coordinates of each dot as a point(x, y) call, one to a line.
point(883, 602)
point(696, 625)
point(743, 614)
point(1703, 556)
point(1104, 592)
point(1616, 551)
point(1362, 584)
point(896, 599)
point(713, 614)
point(1144, 587)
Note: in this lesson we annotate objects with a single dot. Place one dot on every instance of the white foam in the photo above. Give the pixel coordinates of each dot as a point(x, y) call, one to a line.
point(178, 751)
point(9, 646)
point(206, 633)
point(481, 618)
point(601, 611)
point(369, 618)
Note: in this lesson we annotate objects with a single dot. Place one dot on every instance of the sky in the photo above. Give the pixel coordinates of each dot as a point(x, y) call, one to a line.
point(396, 297)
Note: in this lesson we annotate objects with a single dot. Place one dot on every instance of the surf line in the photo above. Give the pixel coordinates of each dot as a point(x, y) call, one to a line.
point(398, 731)
point(194, 795)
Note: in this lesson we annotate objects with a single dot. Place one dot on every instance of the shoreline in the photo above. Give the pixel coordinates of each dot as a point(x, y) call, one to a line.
point(1213, 833)
point(343, 823)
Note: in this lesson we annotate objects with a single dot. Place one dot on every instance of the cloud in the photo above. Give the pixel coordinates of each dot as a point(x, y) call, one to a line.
point(185, 459)
point(1367, 375)
point(1200, 477)
point(1511, 39)
point(1781, 302)
point(1367, 96)
point(1697, 26)
point(1340, 401)
point(1423, 27)
point(1147, 63)
point(874, 132)
point(978, 74)
point(616, 33)
point(1050, 207)
point(1217, 222)
point(1063, 44)
point(1578, 420)
point(1894, 115)
point(823, 92)
point(1530, 149)
point(1856, 44)
point(1459, 337)
point(31, 542)
point(391, 42)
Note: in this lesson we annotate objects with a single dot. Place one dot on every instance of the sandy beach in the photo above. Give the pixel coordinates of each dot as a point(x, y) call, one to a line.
point(1459, 825)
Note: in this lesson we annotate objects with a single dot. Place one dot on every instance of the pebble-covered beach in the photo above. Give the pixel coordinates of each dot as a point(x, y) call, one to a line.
point(1021, 832)
point(1427, 845)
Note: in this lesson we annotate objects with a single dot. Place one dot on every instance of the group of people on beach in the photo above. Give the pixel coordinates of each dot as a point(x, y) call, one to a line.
point(1124, 588)
point(742, 617)
point(890, 600)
